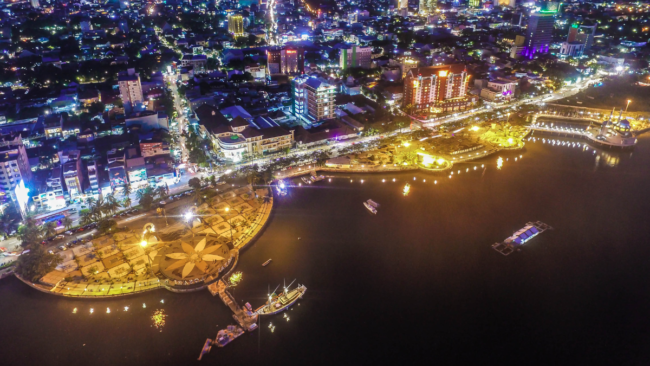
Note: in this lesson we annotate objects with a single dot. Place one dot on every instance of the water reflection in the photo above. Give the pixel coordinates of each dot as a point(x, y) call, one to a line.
point(607, 158)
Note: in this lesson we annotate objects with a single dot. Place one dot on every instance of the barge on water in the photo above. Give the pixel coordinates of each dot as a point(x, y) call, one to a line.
point(520, 237)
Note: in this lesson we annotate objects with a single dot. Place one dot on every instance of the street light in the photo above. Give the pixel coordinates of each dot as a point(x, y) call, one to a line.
point(628, 104)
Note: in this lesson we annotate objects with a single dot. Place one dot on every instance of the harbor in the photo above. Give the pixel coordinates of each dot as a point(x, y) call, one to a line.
point(521, 236)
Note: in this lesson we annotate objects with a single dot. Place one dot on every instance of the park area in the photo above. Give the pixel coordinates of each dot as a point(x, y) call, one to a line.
point(200, 244)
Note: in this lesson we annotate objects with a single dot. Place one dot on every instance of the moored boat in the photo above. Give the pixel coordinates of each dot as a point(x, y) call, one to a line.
point(282, 302)
point(266, 263)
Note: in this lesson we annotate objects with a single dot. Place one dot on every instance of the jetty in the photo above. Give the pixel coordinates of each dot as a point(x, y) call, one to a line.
point(521, 236)
point(611, 133)
point(246, 318)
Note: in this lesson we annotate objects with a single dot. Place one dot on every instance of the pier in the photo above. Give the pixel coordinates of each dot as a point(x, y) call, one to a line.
point(246, 318)
point(609, 133)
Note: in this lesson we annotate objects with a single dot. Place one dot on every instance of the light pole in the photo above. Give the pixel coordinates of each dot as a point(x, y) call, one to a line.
point(628, 104)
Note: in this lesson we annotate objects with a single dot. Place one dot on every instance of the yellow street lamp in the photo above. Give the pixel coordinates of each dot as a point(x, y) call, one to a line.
point(628, 104)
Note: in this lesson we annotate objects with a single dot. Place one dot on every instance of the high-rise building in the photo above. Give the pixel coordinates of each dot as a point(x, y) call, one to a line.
point(286, 60)
point(130, 88)
point(355, 56)
point(507, 3)
point(539, 34)
point(402, 4)
point(437, 88)
point(93, 177)
point(14, 165)
point(475, 3)
point(292, 60)
point(236, 25)
point(313, 99)
point(35, 4)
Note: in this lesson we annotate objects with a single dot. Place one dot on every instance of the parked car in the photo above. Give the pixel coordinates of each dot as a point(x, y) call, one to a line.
point(59, 237)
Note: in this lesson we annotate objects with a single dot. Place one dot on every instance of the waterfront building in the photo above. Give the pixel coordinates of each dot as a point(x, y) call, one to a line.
point(238, 138)
point(236, 25)
point(355, 56)
point(130, 89)
point(313, 99)
point(437, 88)
point(14, 165)
point(539, 34)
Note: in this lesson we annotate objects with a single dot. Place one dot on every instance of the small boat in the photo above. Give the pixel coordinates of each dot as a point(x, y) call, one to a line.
point(266, 263)
point(306, 180)
point(371, 206)
point(317, 178)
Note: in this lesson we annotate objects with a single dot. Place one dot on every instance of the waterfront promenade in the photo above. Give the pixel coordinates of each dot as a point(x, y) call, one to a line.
point(121, 265)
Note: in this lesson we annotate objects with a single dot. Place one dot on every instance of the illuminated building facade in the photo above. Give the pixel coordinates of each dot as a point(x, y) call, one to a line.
point(355, 56)
point(313, 99)
point(539, 34)
point(437, 89)
point(475, 3)
point(286, 60)
point(236, 25)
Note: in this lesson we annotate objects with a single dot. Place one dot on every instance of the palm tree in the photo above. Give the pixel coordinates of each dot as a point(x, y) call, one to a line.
point(111, 204)
point(85, 217)
point(127, 202)
point(49, 229)
point(126, 190)
point(67, 222)
point(160, 191)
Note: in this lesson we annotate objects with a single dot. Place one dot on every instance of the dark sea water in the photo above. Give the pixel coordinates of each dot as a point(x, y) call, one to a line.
point(417, 283)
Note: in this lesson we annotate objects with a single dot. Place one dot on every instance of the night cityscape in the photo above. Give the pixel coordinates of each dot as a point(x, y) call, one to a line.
point(320, 182)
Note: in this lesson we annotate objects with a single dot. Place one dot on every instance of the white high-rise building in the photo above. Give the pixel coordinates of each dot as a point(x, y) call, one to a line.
point(313, 99)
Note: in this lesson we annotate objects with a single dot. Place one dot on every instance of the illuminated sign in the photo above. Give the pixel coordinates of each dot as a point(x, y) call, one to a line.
point(290, 51)
point(442, 73)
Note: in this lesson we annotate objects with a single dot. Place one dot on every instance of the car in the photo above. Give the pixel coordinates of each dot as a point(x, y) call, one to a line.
point(62, 247)
point(68, 233)
point(59, 237)
point(80, 229)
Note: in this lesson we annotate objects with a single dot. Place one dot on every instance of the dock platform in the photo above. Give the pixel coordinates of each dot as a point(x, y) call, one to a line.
point(520, 237)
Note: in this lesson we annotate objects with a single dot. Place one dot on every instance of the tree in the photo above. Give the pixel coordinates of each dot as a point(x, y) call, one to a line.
point(197, 196)
point(112, 204)
point(37, 263)
point(146, 200)
point(160, 191)
point(106, 225)
point(29, 234)
point(127, 202)
point(67, 222)
point(85, 217)
point(194, 183)
point(213, 181)
point(126, 190)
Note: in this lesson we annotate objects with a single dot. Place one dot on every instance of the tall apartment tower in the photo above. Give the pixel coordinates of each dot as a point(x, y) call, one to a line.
point(427, 7)
point(437, 88)
point(313, 99)
point(507, 3)
point(355, 56)
point(590, 32)
point(402, 4)
point(539, 34)
point(130, 89)
point(236, 25)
